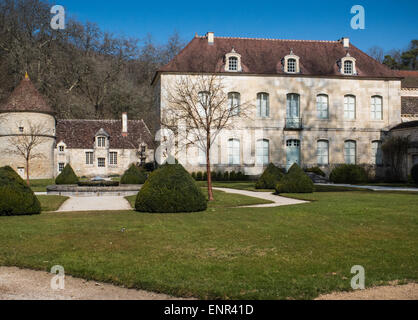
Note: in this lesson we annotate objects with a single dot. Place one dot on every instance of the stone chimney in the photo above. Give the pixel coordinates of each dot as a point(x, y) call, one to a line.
point(346, 42)
point(124, 124)
point(211, 38)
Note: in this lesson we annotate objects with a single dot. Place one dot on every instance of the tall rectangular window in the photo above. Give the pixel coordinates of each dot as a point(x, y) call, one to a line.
point(291, 65)
point(263, 105)
point(349, 107)
point(234, 103)
point(101, 162)
point(376, 108)
point(234, 149)
point(89, 158)
point(350, 152)
point(262, 152)
point(233, 64)
point(322, 106)
point(377, 153)
point(203, 104)
point(113, 158)
point(61, 166)
point(323, 152)
point(348, 67)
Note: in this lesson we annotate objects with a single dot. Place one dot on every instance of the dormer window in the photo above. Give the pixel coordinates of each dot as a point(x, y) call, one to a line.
point(61, 148)
point(101, 142)
point(291, 63)
point(348, 65)
point(233, 61)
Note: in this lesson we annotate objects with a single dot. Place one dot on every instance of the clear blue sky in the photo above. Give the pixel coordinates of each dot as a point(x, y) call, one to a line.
point(389, 24)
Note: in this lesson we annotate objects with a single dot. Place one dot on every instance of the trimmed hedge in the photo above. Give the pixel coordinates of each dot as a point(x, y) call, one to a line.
point(295, 181)
point(348, 173)
point(67, 176)
point(414, 173)
point(269, 179)
point(170, 189)
point(16, 198)
point(133, 175)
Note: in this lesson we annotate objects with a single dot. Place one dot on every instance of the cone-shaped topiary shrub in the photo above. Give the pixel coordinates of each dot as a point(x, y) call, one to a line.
point(270, 178)
point(170, 189)
point(348, 173)
point(67, 176)
point(16, 198)
point(295, 181)
point(133, 175)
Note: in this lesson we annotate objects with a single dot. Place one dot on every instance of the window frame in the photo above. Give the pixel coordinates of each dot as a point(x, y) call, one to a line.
point(265, 152)
point(347, 107)
point(61, 164)
point(234, 152)
point(233, 63)
point(89, 158)
point(113, 161)
point(322, 152)
point(377, 153)
point(101, 162)
point(260, 105)
point(101, 142)
point(320, 106)
point(234, 96)
point(349, 155)
point(291, 65)
point(373, 106)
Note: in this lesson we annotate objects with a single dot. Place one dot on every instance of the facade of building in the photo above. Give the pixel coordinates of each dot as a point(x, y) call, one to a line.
point(91, 147)
point(316, 103)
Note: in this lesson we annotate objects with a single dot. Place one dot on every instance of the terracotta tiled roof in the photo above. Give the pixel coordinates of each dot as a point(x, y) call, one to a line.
point(26, 98)
point(411, 78)
point(264, 56)
point(409, 105)
point(80, 134)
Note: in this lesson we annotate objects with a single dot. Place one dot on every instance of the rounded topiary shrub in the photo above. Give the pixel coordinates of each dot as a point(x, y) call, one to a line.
point(16, 198)
point(170, 189)
point(348, 173)
point(133, 175)
point(269, 179)
point(67, 176)
point(295, 181)
point(414, 173)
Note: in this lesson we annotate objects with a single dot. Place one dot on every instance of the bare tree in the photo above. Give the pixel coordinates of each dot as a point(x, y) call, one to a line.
point(24, 145)
point(202, 105)
point(376, 53)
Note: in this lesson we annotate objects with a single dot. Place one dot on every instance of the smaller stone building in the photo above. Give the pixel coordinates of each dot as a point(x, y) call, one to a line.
point(91, 147)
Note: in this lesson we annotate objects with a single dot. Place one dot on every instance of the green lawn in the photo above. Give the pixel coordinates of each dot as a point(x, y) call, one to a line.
point(293, 252)
point(40, 185)
point(51, 203)
point(244, 185)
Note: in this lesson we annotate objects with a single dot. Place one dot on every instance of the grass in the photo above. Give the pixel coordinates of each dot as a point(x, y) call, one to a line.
point(292, 252)
point(40, 185)
point(222, 200)
point(244, 185)
point(51, 203)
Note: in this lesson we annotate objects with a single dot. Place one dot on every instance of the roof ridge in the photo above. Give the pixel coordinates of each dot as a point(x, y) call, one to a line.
point(274, 39)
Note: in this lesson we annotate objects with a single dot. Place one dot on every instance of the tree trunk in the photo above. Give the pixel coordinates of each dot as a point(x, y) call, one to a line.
point(208, 170)
point(27, 173)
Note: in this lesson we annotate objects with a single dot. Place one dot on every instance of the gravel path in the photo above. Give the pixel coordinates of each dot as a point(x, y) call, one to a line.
point(19, 284)
point(392, 292)
point(277, 200)
point(104, 203)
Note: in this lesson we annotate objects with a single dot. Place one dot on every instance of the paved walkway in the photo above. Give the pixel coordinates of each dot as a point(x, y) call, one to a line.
point(22, 284)
point(374, 188)
point(277, 200)
point(103, 203)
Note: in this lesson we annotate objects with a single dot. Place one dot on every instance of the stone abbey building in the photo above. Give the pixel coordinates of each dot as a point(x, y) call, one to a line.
point(317, 103)
point(91, 147)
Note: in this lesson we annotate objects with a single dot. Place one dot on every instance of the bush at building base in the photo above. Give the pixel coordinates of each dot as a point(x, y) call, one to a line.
point(295, 181)
point(67, 176)
point(170, 189)
point(348, 173)
point(270, 178)
point(133, 175)
point(16, 198)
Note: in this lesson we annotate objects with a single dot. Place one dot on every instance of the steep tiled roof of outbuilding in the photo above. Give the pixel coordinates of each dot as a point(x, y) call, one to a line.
point(409, 105)
point(406, 125)
point(264, 56)
point(410, 78)
point(26, 98)
point(80, 134)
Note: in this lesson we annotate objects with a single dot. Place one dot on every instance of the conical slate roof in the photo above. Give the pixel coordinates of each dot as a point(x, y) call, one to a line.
point(26, 98)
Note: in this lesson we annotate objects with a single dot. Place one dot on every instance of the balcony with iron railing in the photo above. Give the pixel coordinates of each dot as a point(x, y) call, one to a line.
point(294, 123)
